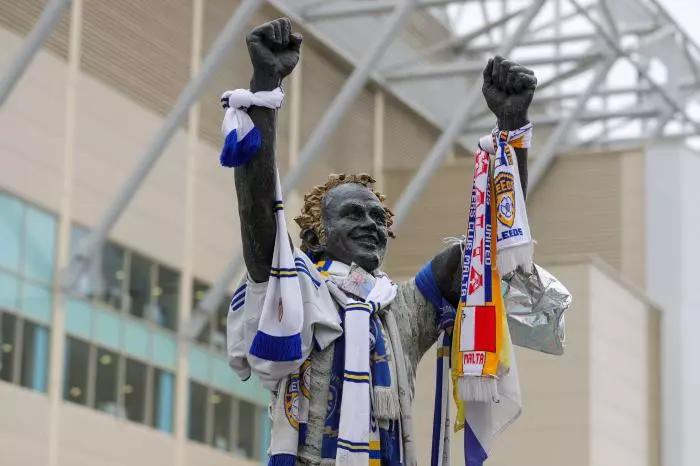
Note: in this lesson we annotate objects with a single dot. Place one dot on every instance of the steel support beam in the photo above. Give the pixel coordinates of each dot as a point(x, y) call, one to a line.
point(325, 128)
point(446, 140)
point(347, 95)
point(584, 117)
point(90, 246)
point(31, 45)
point(365, 7)
point(455, 43)
point(546, 155)
point(458, 69)
point(664, 94)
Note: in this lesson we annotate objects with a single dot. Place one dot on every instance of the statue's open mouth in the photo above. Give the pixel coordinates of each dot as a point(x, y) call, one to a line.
point(367, 240)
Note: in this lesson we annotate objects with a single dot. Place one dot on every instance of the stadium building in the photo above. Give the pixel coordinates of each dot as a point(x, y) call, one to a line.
point(119, 238)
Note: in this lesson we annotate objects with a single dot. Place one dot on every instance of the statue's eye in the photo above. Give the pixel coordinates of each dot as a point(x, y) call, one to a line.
point(354, 212)
point(379, 216)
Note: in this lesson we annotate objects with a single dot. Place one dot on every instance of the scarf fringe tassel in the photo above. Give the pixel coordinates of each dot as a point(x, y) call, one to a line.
point(271, 348)
point(282, 460)
point(386, 404)
point(510, 258)
point(481, 389)
point(235, 153)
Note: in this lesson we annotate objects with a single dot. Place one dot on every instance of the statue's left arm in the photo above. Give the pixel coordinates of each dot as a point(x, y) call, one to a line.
point(508, 89)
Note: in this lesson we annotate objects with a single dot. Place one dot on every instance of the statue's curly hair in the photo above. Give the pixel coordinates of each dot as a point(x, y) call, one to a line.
point(310, 217)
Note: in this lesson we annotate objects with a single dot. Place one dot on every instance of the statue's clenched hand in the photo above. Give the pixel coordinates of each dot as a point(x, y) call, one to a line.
point(508, 89)
point(274, 52)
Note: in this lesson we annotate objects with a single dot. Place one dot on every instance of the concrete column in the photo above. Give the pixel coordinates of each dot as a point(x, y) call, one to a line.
point(186, 274)
point(57, 348)
point(378, 146)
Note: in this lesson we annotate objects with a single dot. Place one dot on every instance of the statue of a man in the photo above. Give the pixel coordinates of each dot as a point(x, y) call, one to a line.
point(345, 222)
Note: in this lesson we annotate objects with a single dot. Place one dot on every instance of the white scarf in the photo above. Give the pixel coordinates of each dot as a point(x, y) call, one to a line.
point(358, 433)
point(513, 239)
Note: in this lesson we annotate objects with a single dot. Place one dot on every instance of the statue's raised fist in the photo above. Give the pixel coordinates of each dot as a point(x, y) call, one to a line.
point(273, 49)
point(508, 89)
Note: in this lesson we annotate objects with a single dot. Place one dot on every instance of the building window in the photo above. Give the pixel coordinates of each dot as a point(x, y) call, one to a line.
point(8, 346)
point(113, 275)
point(140, 283)
point(24, 352)
point(76, 373)
point(247, 429)
point(129, 282)
point(223, 421)
point(197, 429)
point(163, 398)
point(106, 382)
point(35, 356)
point(115, 384)
point(166, 295)
point(135, 391)
point(213, 334)
point(221, 431)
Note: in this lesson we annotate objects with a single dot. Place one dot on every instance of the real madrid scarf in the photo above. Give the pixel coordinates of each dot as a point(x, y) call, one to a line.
point(513, 239)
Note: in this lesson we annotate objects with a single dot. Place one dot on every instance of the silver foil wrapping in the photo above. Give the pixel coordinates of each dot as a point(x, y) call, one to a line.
point(535, 303)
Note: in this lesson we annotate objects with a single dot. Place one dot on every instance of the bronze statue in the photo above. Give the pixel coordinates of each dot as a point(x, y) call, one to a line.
point(345, 219)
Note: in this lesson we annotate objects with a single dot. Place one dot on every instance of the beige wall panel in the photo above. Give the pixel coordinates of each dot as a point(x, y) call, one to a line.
point(141, 48)
point(407, 139)
point(577, 208)
point(197, 454)
point(553, 429)
point(24, 434)
point(619, 364)
point(31, 136)
point(112, 132)
point(216, 227)
point(441, 211)
point(349, 149)
point(633, 254)
point(21, 15)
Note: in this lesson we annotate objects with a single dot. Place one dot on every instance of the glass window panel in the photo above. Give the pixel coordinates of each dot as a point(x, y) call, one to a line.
point(135, 391)
point(11, 215)
point(40, 238)
point(77, 357)
point(113, 275)
point(199, 289)
point(218, 337)
point(221, 432)
point(163, 389)
point(77, 234)
point(106, 381)
point(197, 422)
point(9, 291)
point(7, 346)
point(37, 301)
point(167, 294)
point(246, 428)
point(139, 285)
point(35, 356)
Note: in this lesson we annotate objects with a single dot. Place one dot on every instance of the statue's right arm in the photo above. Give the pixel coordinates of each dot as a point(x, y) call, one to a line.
point(274, 51)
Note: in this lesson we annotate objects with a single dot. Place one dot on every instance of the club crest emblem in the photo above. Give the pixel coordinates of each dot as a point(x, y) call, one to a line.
point(280, 311)
point(305, 374)
point(291, 401)
point(505, 198)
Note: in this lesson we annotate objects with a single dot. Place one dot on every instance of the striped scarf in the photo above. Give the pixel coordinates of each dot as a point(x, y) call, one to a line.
point(366, 367)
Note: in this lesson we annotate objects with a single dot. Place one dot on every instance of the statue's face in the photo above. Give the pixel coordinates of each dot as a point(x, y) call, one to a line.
point(356, 226)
